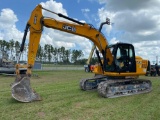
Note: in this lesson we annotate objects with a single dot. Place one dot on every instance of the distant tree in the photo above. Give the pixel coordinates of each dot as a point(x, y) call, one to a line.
point(4, 44)
point(40, 53)
point(49, 53)
point(67, 56)
point(58, 54)
point(25, 51)
point(1, 41)
point(76, 54)
point(44, 57)
point(17, 47)
point(53, 51)
point(47, 49)
point(81, 61)
point(11, 44)
point(62, 49)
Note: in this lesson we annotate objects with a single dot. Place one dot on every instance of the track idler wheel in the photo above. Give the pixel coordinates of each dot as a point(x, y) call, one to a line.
point(22, 91)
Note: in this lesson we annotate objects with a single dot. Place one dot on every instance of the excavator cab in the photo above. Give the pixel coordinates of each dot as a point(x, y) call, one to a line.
point(123, 58)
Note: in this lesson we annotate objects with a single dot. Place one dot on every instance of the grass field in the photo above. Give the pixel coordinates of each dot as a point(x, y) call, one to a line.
point(63, 100)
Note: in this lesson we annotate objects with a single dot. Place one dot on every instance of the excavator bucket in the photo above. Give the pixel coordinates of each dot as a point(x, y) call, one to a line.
point(22, 91)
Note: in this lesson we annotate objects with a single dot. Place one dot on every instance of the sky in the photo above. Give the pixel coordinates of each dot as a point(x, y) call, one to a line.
point(135, 22)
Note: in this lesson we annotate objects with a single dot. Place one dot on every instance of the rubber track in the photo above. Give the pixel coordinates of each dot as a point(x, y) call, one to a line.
point(83, 82)
point(104, 88)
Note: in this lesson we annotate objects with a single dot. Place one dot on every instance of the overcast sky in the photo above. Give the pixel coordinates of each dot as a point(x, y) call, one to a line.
point(133, 21)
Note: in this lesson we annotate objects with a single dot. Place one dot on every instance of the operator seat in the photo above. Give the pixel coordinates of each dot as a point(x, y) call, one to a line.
point(122, 61)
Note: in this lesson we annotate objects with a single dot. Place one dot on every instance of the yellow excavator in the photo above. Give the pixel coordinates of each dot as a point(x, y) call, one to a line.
point(115, 74)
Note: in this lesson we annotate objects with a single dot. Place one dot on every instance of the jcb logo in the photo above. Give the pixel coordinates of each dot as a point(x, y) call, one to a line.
point(69, 28)
point(139, 62)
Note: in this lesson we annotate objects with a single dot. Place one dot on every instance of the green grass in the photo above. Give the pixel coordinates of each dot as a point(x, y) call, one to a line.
point(63, 100)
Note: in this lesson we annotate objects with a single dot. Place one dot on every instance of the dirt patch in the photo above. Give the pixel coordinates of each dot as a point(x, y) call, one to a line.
point(41, 114)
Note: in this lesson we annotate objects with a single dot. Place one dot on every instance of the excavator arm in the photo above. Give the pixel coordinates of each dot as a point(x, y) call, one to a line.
point(35, 25)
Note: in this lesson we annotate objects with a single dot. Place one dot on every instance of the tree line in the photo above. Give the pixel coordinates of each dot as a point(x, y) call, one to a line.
point(45, 54)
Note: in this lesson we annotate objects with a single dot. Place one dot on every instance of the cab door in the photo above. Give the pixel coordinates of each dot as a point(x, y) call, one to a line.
point(124, 58)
